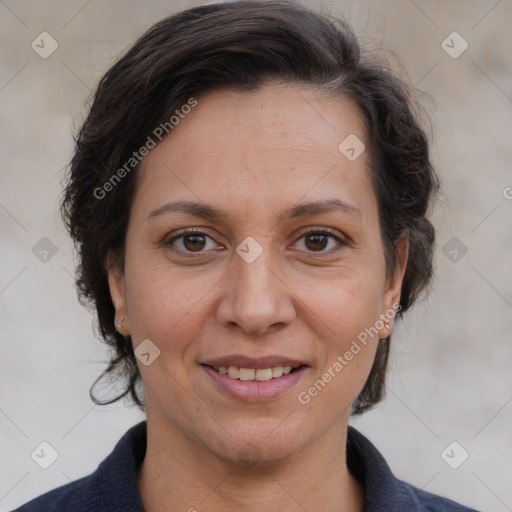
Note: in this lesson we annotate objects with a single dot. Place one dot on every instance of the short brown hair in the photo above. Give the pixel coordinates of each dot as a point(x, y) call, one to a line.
point(241, 45)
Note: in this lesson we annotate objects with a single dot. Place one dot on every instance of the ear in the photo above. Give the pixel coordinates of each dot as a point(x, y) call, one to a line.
point(393, 287)
point(117, 287)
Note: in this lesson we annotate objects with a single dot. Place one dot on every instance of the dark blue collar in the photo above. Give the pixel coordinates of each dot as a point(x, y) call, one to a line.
point(113, 486)
point(383, 491)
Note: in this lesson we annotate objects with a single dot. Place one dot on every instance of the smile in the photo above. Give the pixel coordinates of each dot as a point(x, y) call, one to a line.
point(254, 384)
point(252, 374)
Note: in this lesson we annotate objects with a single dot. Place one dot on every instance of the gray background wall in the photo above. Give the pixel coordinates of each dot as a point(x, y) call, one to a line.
point(450, 377)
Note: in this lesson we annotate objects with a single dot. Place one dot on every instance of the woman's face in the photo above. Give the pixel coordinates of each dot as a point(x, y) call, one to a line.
point(289, 272)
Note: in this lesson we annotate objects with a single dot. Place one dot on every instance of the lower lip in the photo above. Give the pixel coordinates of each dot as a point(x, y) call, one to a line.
point(255, 391)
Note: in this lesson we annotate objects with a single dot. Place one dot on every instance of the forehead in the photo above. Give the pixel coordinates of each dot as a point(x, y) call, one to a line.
point(277, 143)
point(273, 115)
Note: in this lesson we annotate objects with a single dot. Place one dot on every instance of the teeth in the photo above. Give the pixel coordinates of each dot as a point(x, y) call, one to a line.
point(260, 375)
point(246, 374)
point(263, 374)
point(277, 372)
point(233, 371)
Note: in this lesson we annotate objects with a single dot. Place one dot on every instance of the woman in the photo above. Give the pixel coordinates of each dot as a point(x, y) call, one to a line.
point(248, 197)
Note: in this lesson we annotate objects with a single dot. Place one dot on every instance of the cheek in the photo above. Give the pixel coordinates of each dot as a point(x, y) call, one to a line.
point(167, 304)
point(344, 304)
point(164, 308)
point(345, 313)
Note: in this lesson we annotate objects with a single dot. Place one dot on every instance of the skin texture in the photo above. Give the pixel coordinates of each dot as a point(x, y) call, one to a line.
point(253, 155)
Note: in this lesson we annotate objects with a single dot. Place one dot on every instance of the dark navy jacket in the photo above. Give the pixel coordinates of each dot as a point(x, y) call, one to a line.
point(113, 486)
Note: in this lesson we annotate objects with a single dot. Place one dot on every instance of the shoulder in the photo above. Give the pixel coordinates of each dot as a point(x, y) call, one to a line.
point(112, 487)
point(428, 502)
point(383, 491)
point(66, 497)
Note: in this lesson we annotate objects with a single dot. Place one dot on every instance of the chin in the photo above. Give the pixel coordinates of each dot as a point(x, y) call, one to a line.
point(263, 443)
point(252, 453)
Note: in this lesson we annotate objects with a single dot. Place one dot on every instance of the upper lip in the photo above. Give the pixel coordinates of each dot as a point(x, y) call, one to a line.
point(254, 363)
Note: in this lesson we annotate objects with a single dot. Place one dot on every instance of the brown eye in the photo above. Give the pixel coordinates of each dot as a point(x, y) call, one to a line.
point(190, 242)
point(194, 242)
point(321, 241)
point(316, 242)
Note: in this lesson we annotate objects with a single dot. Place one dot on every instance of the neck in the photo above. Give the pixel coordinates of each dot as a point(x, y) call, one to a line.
point(178, 473)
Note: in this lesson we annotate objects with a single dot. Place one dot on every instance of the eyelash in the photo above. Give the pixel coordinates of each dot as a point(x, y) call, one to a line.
point(195, 231)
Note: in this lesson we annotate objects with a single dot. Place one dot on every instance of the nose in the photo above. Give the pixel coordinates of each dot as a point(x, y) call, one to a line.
point(257, 298)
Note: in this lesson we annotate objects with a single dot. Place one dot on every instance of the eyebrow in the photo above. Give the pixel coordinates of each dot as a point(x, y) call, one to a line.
point(208, 212)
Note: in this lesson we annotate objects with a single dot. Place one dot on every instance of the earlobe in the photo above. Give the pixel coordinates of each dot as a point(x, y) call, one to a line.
point(391, 298)
point(117, 293)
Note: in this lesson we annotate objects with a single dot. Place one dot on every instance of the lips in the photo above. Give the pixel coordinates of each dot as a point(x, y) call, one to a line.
point(253, 379)
point(255, 384)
